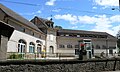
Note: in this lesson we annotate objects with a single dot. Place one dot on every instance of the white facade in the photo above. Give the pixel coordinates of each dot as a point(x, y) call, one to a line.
point(51, 46)
point(17, 35)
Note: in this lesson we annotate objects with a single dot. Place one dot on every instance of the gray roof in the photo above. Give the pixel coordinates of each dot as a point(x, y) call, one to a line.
point(17, 17)
point(69, 31)
point(81, 32)
point(43, 21)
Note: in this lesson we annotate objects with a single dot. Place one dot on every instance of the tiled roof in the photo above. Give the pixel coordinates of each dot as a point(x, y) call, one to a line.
point(69, 31)
point(81, 32)
point(42, 20)
point(18, 17)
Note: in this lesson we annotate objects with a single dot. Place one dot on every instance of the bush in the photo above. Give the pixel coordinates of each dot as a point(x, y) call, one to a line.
point(16, 56)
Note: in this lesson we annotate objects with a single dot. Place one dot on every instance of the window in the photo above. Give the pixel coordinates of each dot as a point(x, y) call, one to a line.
point(39, 49)
point(21, 46)
point(62, 35)
point(51, 50)
point(33, 33)
point(78, 35)
point(40, 36)
point(67, 35)
point(76, 46)
point(31, 47)
point(88, 46)
point(61, 46)
point(23, 29)
point(69, 46)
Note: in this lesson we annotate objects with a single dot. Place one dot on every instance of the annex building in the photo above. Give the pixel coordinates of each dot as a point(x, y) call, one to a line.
point(39, 38)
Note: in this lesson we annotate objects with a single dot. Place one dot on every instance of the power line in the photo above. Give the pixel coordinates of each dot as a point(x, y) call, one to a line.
point(71, 9)
point(20, 3)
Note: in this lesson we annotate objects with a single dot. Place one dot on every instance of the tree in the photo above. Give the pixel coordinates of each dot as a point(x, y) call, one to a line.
point(58, 27)
point(118, 40)
point(118, 44)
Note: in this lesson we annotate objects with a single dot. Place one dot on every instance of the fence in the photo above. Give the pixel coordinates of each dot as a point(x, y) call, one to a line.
point(15, 55)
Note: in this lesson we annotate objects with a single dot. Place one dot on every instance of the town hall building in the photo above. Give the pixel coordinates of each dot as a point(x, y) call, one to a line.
point(39, 38)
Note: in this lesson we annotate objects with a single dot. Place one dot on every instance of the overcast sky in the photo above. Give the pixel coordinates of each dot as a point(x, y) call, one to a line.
point(90, 15)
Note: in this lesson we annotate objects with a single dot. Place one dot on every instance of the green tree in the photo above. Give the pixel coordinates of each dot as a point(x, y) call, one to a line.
point(118, 40)
point(58, 27)
point(118, 44)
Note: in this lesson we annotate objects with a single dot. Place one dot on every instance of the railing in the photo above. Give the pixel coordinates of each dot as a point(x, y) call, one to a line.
point(15, 55)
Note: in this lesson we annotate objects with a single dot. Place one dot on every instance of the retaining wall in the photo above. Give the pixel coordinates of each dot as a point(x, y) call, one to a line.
point(59, 66)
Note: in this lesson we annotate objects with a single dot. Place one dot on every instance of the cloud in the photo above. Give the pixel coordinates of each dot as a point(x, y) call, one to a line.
point(94, 8)
point(38, 11)
point(31, 13)
point(50, 2)
point(56, 10)
point(86, 19)
point(115, 18)
point(100, 22)
point(67, 17)
point(106, 3)
point(74, 27)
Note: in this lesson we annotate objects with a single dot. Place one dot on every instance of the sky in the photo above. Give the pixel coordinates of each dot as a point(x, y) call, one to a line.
point(89, 15)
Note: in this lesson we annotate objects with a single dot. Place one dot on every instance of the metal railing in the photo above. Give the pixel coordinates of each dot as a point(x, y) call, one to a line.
point(15, 55)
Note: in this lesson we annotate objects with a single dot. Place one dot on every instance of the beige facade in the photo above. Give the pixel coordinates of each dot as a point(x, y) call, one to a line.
point(40, 35)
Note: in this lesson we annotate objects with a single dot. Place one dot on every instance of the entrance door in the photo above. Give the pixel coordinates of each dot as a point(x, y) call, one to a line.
point(89, 50)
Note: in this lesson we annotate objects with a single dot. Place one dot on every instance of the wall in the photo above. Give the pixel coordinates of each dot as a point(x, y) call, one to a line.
point(3, 47)
point(51, 39)
point(59, 66)
point(74, 41)
point(1, 15)
point(16, 36)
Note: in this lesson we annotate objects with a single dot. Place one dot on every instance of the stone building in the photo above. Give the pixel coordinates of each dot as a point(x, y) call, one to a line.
point(38, 36)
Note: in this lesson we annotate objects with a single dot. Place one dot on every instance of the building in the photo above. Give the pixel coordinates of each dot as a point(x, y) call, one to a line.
point(66, 41)
point(39, 37)
point(26, 37)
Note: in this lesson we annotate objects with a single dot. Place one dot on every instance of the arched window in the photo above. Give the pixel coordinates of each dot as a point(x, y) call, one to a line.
point(31, 47)
point(39, 49)
point(51, 50)
point(21, 46)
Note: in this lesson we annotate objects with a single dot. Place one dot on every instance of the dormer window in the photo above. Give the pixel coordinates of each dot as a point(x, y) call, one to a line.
point(78, 35)
point(67, 35)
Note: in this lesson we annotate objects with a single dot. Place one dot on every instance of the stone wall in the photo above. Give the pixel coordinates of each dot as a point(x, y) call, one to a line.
point(59, 66)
